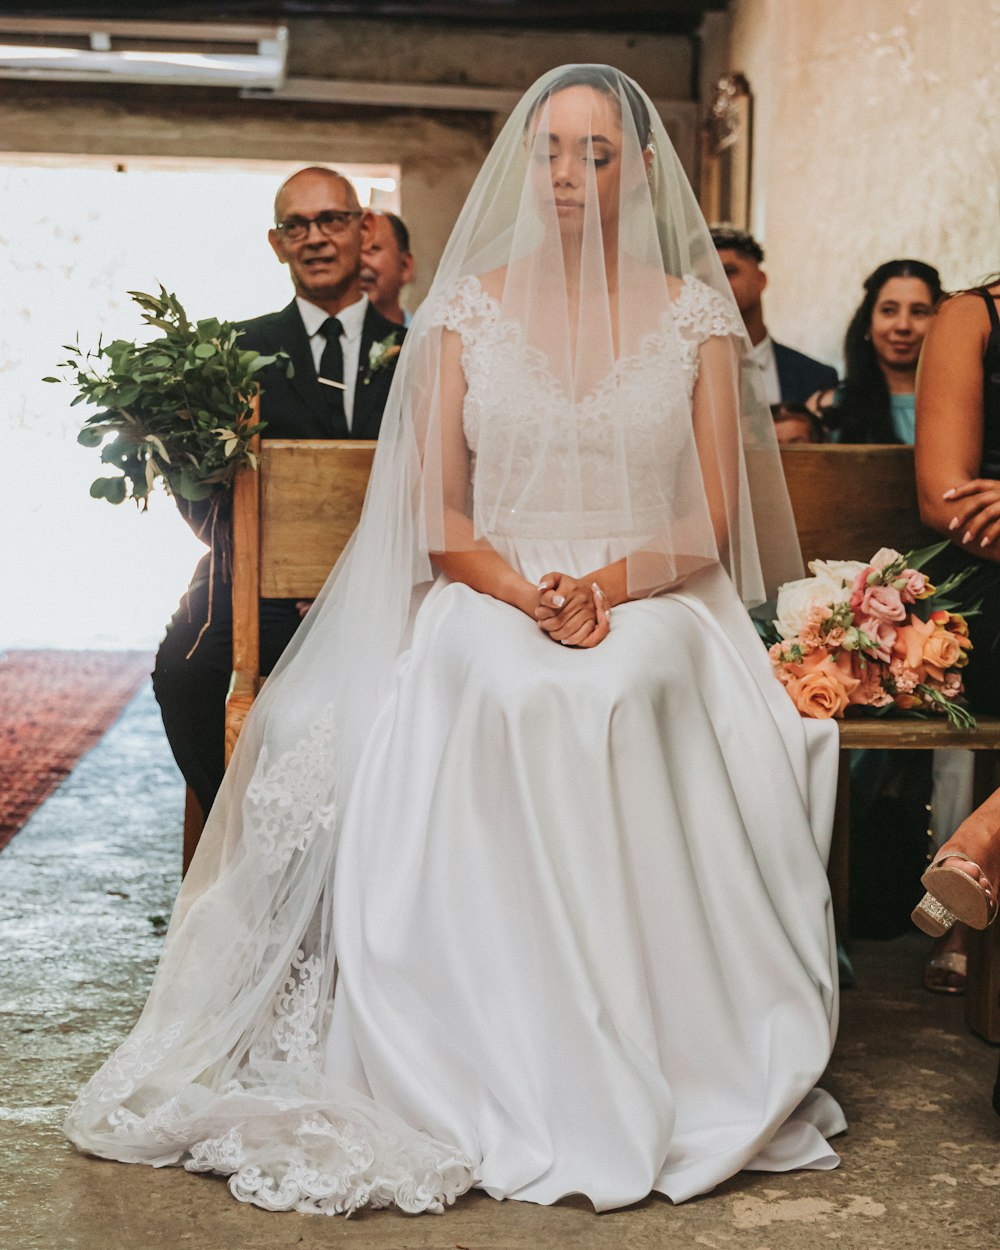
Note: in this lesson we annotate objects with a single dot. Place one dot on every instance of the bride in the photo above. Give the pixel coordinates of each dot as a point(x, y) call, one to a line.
point(516, 879)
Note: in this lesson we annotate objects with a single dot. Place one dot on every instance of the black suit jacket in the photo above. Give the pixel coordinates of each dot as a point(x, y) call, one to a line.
point(293, 407)
point(799, 376)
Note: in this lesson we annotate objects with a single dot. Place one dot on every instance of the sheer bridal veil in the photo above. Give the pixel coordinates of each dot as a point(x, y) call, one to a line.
point(582, 248)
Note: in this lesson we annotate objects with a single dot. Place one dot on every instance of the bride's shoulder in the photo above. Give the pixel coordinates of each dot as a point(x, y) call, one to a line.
point(469, 300)
point(700, 310)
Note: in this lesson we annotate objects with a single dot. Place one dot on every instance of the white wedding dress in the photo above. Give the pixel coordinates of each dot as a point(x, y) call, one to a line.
point(579, 905)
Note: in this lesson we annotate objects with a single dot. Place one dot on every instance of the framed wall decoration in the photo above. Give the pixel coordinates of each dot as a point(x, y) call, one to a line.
point(726, 152)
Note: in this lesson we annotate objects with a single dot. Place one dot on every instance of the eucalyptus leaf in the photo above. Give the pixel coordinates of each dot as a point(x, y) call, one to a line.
point(113, 489)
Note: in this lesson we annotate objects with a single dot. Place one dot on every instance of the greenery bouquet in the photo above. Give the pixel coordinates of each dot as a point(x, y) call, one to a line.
point(179, 408)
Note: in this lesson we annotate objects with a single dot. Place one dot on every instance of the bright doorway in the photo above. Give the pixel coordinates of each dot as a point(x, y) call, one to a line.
point(76, 234)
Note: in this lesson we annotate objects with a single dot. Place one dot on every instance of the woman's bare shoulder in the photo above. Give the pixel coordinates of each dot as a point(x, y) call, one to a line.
point(962, 316)
point(968, 307)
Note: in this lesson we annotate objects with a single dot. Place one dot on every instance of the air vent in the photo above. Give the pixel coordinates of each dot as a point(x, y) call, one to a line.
point(200, 54)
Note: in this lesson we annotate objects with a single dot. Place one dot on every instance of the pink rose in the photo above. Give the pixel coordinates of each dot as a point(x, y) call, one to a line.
point(859, 587)
point(882, 634)
point(916, 585)
point(883, 602)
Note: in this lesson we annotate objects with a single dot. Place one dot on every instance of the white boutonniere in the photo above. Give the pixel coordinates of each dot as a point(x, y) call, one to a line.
point(382, 354)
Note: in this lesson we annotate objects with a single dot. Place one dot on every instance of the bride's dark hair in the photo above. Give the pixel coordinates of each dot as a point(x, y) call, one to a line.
point(607, 81)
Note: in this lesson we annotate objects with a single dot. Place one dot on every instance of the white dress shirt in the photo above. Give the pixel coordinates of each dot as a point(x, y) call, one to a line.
point(768, 366)
point(352, 319)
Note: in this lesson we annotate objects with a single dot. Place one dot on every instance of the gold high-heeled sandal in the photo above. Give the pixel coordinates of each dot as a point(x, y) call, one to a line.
point(952, 896)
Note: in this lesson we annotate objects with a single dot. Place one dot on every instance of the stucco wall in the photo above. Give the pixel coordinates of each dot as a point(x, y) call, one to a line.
point(876, 134)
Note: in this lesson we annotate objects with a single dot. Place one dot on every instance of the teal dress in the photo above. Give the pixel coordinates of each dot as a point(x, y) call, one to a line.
point(902, 411)
point(904, 416)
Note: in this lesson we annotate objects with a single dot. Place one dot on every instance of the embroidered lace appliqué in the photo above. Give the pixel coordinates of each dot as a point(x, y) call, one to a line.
point(296, 1010)
point(291, 801)
point(161, 1125)
point(223, 1154)
point(131, 1063)
point(331, 1167)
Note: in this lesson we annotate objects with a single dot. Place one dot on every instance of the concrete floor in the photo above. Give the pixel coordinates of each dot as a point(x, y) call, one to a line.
point(85, 888)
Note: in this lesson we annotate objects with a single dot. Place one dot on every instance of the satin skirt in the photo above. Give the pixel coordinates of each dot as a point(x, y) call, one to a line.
point(581, 911)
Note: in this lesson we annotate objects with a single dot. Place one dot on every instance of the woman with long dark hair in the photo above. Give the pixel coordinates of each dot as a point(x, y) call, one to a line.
point(875, 401)
point(875, 404)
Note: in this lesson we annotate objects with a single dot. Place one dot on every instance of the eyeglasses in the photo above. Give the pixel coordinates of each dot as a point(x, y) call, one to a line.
point(329, 224)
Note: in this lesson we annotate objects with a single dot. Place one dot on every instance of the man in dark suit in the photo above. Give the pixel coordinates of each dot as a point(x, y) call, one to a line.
point(342, 365)
point(387, 265)
point(789, 377)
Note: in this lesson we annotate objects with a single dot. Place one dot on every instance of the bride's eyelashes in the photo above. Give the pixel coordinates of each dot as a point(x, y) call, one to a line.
point(597, 158)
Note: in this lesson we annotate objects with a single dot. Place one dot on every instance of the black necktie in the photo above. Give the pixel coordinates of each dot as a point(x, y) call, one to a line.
point(331, 369)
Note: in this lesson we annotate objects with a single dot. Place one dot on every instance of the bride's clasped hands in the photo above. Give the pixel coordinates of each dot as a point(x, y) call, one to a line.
point(575, 612)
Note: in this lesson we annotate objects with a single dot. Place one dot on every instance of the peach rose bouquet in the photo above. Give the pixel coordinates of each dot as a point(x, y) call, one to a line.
point(875, 637)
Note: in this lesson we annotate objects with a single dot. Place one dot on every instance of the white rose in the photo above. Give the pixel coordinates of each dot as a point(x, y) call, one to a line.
point(795, 599)
point(837, 576)
point(885, 556)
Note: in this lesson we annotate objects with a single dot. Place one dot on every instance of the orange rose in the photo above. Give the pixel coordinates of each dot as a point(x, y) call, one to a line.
point(909, 644)
point(941, 650)
point(822, 691)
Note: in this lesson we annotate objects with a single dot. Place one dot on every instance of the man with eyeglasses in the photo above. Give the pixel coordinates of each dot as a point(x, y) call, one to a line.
point(342, 354)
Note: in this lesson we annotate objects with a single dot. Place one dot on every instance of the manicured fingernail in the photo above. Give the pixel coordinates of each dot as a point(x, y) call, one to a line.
point(954, 523)
point(948, 493)
point(545, 585)
point(558, 600)
point(984, 542)
point(967, 536)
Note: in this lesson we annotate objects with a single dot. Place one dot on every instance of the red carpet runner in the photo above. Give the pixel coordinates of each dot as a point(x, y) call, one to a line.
point(54, 705)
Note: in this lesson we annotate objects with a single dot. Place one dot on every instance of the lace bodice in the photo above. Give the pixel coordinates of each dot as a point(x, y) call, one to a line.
point(553, 463)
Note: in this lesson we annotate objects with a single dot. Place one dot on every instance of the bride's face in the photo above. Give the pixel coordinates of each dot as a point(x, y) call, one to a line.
point(578, 129)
